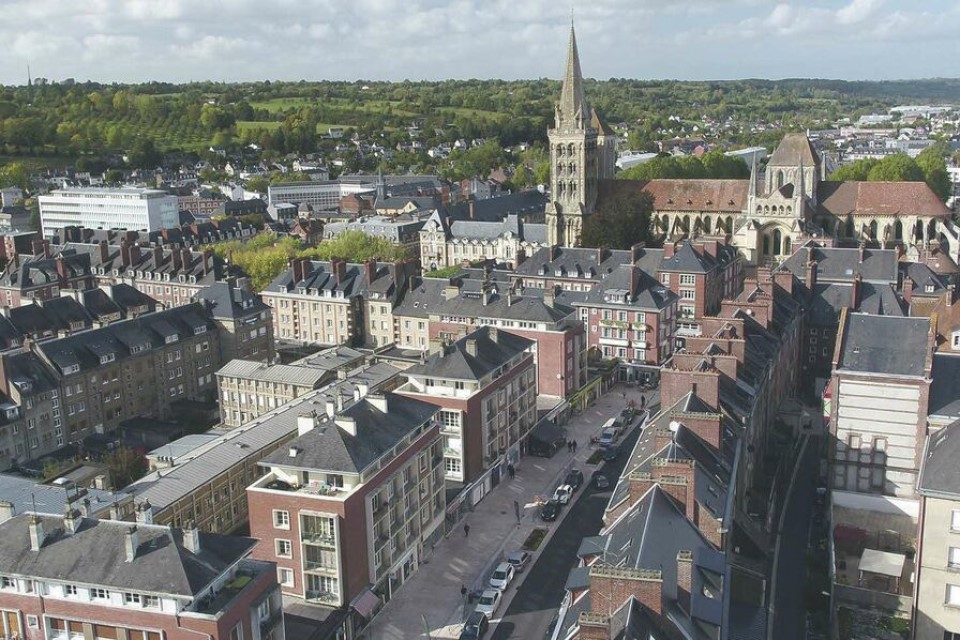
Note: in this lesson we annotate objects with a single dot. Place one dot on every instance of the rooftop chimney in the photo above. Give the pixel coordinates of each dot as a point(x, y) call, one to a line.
point(191, 538)
point(177, 258)
point(71, 521)
point(131, 542)
point(145, 512)
point(549, 296)
point(35, 526)
point(296, 267)
point(370, 270)
point(7, 510)
point(305, 422)
point(451, 292)
point(472, 209)
point(339, 268)
point(378, 400)
point(331, 408)
point(104, 251)
point(157, 256)
point(348, 424)
point(363, 388)
point(470, 346)
point(684, 578)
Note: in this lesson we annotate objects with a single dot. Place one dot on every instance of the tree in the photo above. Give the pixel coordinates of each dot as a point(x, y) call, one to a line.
point(357, 246)
point(35, 220)
point(258, 184)
point(14, 175)
point(898, 167)
point(620, 222)
point(113, 176)
point(932, 162)
point(856, 171)
point(126, 465)
point(144, 154)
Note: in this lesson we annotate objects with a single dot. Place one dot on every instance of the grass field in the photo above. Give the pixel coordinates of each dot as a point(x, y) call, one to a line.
point(35, 164)
point(252, 125)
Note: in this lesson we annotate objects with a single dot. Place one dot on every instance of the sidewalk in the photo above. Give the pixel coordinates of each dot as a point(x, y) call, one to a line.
point(433, 592)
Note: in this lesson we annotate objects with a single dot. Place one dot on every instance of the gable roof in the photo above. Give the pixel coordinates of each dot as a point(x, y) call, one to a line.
point(904, 199)
point(474, 356)
point(728, 197)
point(794, 149)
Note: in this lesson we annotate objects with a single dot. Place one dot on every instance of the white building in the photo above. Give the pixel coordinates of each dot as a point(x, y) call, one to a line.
point(124, 208)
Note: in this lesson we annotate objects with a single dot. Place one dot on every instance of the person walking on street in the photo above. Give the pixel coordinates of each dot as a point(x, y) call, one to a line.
point(466, 531)
point(574, 446)
point(463, 591)
point(512, 471)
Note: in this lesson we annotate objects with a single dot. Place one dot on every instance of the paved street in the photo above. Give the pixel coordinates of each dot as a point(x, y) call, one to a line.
point(433, 592)
point(789, 610)
point(536, 601)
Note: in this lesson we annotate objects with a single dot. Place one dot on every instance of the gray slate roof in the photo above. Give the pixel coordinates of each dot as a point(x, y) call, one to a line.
point(885, 345)
point(96, 555)
point(24, 493)
point(331, 448)
point(835, 264)
point(492, 349)
point(939, 471)
point(283, 373)
point(945, 387)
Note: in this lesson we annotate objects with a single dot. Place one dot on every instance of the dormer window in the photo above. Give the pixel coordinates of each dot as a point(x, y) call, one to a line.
point(199, 330)
point(137, 348)
point(171, 339)
point(955, 340)
point(107, 358)
point(928, 288)
point(73, 368)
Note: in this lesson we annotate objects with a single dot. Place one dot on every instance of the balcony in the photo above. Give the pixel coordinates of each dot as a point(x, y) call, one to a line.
point(319, 539)
point(316, 566)
point(322, 597)
point(245, 577)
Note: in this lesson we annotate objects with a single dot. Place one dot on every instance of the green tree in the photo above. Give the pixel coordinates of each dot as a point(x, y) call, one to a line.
point(898, 167)
point(113, 176)
point(932, 162)
point(857, 171)
point(621, 222)
point(357, 246)
point(126, 465)
point(14, 175)
point(144, 154)
point(258, 184)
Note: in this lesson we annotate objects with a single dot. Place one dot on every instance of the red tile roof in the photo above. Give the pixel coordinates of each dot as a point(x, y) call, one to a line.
point(880, 199)
point(694, 195)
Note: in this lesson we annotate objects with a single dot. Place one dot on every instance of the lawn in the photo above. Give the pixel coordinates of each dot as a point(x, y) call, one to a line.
point(252, 125)
point(34, 164)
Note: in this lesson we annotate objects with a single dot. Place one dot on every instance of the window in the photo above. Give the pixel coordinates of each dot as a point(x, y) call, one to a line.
point(70, 590)
point(688, 278)
point(237, 632)
point(285, 577)
point(953, 558)
point(955, 520)
point(99, 594)
point(281, 519)
point(151, 602)
point(953, 595)
point(131, 598)
point(7, 583)
point(284, 549)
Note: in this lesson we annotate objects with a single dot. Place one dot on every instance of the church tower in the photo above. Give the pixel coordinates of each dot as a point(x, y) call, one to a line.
point(573, 158)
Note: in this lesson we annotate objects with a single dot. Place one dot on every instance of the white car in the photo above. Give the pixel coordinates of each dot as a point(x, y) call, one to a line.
point(502, 576)
point(563, 494)
point(489, 602)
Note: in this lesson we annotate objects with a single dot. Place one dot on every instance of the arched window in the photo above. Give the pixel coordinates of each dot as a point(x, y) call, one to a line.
point(849, 226)
point(873, 229)
point(729, 224)
point(779, 179)
point(781, 210)
point(706, 225)
point(918, 231)
point(776, 242)
point(898, 231)
point(766, 210)
point(786, 245)
point(766, 245)
point(932, 229)
point(686, 224)
point(789, 210)
point(759, 209)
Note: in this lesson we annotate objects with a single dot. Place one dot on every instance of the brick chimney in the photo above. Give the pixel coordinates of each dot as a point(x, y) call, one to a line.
point(177, 258)
point(35, 527)
point(306, 267)
point(549, 296)
point(104, 251)
point(684, 578)
point(339, 268)
point(601, 253)
point(207, 261)
point(670, 248)
point(36, 247)
point(636, 251)
point(187, 257)
point(617, 584)
point(296, 268)
point(46, 248)
point(907, 288)
point(157, 256)
point(593, 626)
point(124, 253)
point(554, 249)
point(677, 478)
point(855, 292)
point(62, 270)
point(131, 542)
point(370, 270)
point(638, 483)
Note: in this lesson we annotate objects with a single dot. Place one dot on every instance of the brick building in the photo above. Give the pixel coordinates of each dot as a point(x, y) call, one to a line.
point(555, 327)
point(70, 576)
point(244, 322)
point(485, 386)
point(351, 507)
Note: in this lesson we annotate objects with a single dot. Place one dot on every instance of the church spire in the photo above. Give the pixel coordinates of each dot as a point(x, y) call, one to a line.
point(573, 105)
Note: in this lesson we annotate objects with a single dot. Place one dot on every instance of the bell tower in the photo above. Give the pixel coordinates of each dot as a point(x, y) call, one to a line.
point(573, 157)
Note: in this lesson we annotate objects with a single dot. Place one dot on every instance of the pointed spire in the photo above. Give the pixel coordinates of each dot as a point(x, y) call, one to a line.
point(573, 105)
point(753, 176)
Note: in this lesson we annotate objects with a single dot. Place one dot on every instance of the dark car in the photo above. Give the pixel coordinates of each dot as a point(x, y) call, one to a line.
point(610, 453)
point(574, 479)
point(627, 417)
point(600, 481)
point(475, 627)
point(550, 510)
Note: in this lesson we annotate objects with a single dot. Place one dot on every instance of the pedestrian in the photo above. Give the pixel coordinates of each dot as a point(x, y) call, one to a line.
point(643, 402)
point(463, 591)
point(466, 531)
point(512, 471)
point(624, 394)
point(574, 446)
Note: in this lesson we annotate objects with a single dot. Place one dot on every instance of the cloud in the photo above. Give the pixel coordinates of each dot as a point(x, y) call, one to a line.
point(138, 40)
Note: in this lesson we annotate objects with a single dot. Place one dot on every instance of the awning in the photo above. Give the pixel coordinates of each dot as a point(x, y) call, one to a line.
point(366, 603)
point(882, 562)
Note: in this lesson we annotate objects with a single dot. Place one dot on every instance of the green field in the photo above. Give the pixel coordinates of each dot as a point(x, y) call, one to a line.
point(253, 125)
point(38, 163)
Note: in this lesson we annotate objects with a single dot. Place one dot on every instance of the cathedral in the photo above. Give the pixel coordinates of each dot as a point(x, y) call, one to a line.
point(767, 216)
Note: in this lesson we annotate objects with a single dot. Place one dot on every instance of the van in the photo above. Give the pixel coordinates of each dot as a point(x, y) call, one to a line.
point(615, 425)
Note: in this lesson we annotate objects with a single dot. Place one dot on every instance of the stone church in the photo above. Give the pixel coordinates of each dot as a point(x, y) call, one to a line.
point(766, 216)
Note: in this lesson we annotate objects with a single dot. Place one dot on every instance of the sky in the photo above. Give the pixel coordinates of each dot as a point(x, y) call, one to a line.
point(235, 40)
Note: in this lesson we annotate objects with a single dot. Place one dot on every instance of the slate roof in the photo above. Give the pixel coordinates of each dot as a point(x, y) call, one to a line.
point(424, 296)
point(228, 301)
point(794, 149)
point(96, 555)
point(573, 261)
point(529, 308)
point(331, 448)
point(939, 471)
point(727, 197)
point(492, 348)
point(836, 264)
point(688, 259)
point(164, 487)
point(904, 199)
point(49, 316)
point(332, 358)
point(945, 386)
point(880, 300)
point(24, 493)
point(529, 204)
point(923, 277)
point(323, 278)
point(826, 303)
point(24, 367)
point(626, 287)
point(490, 230)
point(884, 345)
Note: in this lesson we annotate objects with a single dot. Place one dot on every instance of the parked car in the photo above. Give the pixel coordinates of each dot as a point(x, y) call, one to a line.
point(610, 453)
point(475, 627)
point(608, 437)
point(549, 511)
point(489, 602)
point(502, 576)
point(600, 480)
point(574, 479)
point(519, 560)
point(563, 494)
point(627, 416)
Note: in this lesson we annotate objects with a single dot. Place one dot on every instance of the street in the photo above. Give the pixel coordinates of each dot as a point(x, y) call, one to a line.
point(789, 606)
point(537, 600)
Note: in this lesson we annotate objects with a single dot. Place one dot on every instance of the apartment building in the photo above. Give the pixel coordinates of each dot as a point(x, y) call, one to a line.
point(630, 316)
point(31, 416)
point(578, 268)
point(132, 368)
point(207, 485)
point(68, 576)
point(561, 344)
point(248, 389)
point(357, 499)
point(43, 276)
point(333, 303)
point(936, 611)
point(243, 321)
point(702, 272)
point(123, 208)
point(485, 386)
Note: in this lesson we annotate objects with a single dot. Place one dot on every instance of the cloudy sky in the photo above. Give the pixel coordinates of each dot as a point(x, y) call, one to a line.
point(182, 40)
